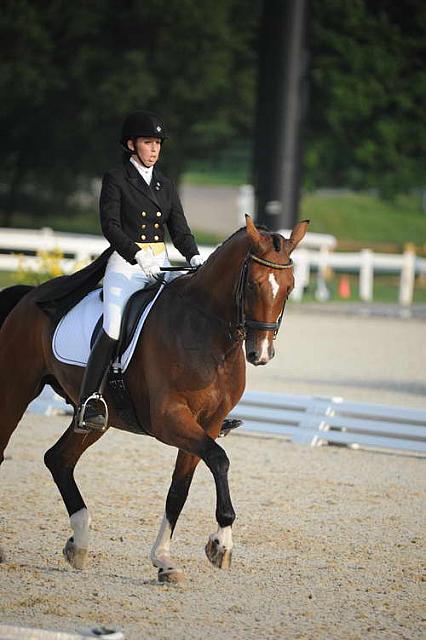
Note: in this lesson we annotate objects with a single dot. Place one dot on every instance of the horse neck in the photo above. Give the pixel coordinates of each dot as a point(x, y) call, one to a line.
point(214, 285)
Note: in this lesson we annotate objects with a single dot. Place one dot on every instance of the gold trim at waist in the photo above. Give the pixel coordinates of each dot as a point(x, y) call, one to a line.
point(157, 247)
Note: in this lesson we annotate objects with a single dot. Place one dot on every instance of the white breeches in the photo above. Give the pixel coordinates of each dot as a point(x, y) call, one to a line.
point(121, 280)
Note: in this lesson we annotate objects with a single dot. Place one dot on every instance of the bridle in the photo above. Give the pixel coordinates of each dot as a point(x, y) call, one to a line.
point(243, 322)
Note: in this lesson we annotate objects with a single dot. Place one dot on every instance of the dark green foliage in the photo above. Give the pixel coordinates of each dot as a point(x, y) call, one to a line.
point(366, 125)
point(71, 70)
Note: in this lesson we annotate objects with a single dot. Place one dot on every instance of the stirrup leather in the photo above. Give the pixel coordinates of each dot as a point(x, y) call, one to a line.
point(84, 427)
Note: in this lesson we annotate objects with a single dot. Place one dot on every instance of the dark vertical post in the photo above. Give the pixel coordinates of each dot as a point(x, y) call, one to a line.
point(280, 106)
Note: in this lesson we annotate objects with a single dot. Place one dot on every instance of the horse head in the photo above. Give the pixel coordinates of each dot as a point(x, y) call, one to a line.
point(267, 282)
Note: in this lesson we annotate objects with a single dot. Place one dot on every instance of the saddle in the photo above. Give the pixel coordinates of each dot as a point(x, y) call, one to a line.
point(74, 336)
point(133, 311)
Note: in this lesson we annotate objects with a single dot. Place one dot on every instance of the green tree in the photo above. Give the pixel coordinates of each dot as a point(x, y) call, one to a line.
point(366, 124)
point(71, 72)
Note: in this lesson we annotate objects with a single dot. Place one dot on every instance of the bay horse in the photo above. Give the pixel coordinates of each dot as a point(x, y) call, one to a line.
point(186, 374)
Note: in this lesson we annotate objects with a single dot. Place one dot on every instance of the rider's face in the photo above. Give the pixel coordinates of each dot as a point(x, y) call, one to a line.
point(148, 149)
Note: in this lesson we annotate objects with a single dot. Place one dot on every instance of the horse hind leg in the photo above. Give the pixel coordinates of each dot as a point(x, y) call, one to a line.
point(16, 392)
point(18, 389)
point(176, 498)
point(21, 372)
point(61, 460)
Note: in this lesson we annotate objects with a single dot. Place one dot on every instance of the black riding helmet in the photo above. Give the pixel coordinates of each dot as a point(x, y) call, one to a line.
point(142, 124)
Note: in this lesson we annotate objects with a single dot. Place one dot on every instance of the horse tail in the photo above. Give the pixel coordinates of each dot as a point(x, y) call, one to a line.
point(10, 297)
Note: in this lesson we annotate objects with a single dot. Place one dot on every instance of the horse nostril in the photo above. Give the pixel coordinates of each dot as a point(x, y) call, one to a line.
point(252, 356)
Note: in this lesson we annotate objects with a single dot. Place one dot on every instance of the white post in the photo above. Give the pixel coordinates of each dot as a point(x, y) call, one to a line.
point(408, 270)
point(48, 236)
point(301, 274)
point(366, 274)
point(82, 258)
point(322, 292)
point(245, 202)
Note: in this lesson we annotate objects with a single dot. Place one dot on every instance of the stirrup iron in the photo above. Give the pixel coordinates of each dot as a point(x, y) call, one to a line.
point(81, 425)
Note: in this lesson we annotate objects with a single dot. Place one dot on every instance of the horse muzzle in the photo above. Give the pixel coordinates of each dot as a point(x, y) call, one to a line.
point(259, 352)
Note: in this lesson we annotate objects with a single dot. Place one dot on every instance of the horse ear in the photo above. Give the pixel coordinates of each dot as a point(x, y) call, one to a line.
point(297, 235)
point(256, 239)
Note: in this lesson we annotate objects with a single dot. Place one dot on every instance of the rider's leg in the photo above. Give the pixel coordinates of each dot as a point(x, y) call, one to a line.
point(121, 280)
point(92, 410)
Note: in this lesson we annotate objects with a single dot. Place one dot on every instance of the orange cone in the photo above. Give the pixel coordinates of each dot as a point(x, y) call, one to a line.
point(344, 287)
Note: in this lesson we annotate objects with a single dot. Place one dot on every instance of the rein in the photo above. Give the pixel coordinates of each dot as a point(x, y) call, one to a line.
point(239, 332)
point(244, 323)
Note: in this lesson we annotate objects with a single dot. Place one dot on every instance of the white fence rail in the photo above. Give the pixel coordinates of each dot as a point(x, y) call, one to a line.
point(316, 421)
point(311, 420)
point(316, 253)
point(366, 263)
point(10, 632)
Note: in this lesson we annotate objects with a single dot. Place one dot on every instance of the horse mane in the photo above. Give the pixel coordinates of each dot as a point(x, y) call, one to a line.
point(261, 227)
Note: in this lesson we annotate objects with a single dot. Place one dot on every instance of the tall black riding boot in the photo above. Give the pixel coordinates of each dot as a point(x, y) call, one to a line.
point(92, 413)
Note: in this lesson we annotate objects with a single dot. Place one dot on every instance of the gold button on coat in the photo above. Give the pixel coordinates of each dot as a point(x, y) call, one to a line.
point(157, 226)
point(156, 238)
point(143, 214)
point(158, 214)
point(143, 237)
point(144, 226)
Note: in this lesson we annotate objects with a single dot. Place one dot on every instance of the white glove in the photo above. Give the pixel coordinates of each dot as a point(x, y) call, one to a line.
point(196, 261)
point(147, 263)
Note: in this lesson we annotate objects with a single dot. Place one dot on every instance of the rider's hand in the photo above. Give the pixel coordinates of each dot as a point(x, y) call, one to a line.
point(153, 271)
point(147, 263)
point(196, 261)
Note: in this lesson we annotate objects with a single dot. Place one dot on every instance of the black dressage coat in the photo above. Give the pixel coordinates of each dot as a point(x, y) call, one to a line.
point(131, 212)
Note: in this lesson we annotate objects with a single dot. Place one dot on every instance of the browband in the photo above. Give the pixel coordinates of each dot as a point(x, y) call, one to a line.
point(274, 265)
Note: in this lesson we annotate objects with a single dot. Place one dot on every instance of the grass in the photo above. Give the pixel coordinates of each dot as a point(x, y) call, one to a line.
point(385, 289)
point(366, 219)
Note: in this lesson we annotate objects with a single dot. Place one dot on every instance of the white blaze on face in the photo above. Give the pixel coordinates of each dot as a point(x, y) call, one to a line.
point(80, 524)
point(264, 356)
point(274, 285)
point(160, 552)
point(264, 347)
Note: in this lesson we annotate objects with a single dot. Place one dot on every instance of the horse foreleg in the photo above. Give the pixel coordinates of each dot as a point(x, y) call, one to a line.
point(180, 429)
point(176, 498)
point(219, 546)
point(61, 460)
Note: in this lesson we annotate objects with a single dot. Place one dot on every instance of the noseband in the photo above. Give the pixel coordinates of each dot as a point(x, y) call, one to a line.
point(244, 323)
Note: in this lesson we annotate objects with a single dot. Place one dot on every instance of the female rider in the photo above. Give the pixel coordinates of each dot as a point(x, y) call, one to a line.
point(136, 204)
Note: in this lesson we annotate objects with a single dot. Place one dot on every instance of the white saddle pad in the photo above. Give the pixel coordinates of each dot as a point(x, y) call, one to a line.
point(71, 340)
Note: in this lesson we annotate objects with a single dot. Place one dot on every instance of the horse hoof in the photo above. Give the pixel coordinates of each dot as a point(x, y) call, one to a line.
point(218, 555)
point(75, 555)
point(170, 576)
